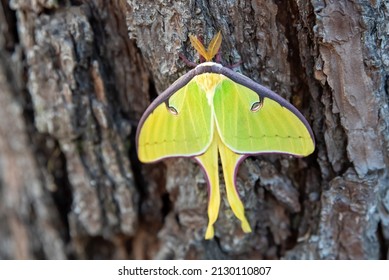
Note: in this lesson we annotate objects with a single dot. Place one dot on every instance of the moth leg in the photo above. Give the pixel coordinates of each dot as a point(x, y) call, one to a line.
point(187, 61)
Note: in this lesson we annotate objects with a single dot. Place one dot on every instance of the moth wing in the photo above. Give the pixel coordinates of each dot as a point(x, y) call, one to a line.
point(253, 122)
point(178, 125)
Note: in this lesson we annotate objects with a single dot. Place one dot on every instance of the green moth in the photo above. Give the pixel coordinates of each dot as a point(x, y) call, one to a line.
point(213, 111)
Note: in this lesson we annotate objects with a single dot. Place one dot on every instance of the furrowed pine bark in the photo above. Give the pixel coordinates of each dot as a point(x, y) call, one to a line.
point(76, 76)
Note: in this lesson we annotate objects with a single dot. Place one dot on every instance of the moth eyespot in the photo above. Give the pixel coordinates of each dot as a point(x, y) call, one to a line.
point(172, 110)
point(256, 106)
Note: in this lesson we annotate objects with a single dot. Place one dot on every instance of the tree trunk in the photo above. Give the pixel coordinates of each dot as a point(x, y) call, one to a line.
point(76, 76)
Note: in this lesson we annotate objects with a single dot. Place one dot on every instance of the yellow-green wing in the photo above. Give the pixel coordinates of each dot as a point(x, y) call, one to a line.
point(252, 122)
point(176, 125)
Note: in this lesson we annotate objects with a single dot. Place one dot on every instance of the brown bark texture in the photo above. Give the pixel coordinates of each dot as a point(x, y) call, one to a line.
point(76, 76)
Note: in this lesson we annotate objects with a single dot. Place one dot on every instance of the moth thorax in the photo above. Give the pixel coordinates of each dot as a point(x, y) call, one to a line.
point(208, 81)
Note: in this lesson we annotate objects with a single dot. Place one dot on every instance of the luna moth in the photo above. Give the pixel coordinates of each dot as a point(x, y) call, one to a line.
point(212, 111)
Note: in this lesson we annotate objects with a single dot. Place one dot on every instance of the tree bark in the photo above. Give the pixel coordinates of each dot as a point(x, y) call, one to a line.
point(76, 76)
